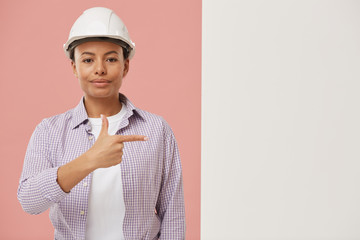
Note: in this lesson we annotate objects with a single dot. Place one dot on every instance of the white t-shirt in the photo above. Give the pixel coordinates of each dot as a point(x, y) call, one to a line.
point(106, 207)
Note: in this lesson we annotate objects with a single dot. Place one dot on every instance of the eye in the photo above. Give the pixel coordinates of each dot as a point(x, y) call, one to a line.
point(87, 60)
point(111, 59)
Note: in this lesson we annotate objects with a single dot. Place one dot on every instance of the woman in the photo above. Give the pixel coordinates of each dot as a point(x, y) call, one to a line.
point(106, 169)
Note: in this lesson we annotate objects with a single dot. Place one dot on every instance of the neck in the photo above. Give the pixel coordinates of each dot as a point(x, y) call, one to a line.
point(106, 106)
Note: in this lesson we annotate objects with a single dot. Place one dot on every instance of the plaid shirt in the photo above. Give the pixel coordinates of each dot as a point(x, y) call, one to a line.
point(151, 174)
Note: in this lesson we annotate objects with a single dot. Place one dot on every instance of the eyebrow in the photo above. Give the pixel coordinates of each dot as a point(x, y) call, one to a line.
point(93, 54)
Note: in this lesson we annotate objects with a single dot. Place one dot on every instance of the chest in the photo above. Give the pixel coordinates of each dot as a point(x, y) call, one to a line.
point(141, 162)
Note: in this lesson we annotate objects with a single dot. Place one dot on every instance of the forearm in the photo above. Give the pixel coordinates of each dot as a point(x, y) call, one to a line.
point(173, 217)
point(70, 174)
point(37, 193)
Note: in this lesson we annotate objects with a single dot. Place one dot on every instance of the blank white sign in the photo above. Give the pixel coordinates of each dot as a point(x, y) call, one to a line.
point(280, 120)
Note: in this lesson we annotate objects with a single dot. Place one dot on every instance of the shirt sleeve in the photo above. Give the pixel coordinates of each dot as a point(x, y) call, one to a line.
point(38, 188)
point(170, 205)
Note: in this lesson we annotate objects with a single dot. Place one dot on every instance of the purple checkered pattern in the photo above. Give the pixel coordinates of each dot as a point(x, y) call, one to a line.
point(151, 174)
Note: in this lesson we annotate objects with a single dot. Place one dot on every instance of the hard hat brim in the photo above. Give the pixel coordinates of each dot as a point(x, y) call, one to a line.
point(67, 45)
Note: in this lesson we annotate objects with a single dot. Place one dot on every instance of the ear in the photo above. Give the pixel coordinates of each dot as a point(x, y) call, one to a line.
point(126, 67)
point(73, 66)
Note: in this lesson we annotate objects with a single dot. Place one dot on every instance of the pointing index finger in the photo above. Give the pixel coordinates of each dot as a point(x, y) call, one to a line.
point(131, 138)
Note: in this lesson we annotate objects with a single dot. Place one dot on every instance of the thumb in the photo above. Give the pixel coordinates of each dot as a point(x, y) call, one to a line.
point(104, 126)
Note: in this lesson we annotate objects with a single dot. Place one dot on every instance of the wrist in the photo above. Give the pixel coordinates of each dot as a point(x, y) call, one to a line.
point(89, 162)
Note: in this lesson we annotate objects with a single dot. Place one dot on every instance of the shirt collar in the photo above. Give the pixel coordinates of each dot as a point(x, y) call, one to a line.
point(80, 116)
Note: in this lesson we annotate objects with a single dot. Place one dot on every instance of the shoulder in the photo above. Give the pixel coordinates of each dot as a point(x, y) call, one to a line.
point(156, 125)
point(50, 128)
point(153, 120)
point(149, 119)
point(56, 122)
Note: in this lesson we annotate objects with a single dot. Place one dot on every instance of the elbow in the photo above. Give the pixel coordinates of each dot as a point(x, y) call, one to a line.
point(27, 206)
point(28, 203)
point(30, 210)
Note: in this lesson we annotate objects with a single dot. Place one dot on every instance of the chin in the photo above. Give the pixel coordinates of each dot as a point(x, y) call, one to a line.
point(101, 95)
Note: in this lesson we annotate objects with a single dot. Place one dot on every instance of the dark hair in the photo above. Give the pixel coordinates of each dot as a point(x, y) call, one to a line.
point(126, 48)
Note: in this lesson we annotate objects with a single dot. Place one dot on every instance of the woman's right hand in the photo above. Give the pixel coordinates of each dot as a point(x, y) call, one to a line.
point(108, 149)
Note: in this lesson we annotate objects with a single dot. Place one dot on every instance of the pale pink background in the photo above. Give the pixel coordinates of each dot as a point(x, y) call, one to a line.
point(37, 82)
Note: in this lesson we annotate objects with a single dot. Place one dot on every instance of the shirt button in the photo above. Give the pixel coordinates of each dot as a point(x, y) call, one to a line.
point(85, 184)
point(82, 212)
point(91, 137)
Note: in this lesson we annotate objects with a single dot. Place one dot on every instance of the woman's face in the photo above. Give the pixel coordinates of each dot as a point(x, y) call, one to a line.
point(100, 68)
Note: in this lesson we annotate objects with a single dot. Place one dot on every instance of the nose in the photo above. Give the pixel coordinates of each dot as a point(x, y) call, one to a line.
point(100, 68)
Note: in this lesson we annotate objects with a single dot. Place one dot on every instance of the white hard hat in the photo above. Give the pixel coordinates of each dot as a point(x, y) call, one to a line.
point(99, 22)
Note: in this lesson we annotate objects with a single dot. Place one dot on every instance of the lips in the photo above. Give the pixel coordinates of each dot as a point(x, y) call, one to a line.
point(100, 82)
